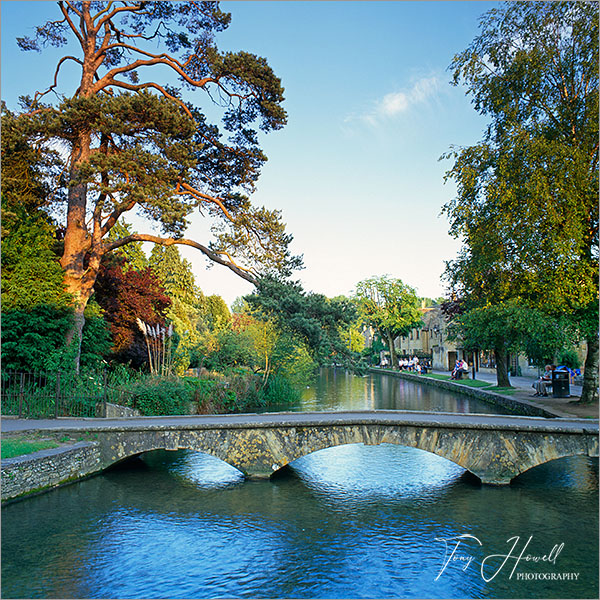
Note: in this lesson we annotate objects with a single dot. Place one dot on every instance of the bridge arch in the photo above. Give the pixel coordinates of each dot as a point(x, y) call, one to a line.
point(260, 452)
point(494, 455)
point(547, 454)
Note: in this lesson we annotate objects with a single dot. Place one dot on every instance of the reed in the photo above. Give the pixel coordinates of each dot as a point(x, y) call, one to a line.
point(159, 344)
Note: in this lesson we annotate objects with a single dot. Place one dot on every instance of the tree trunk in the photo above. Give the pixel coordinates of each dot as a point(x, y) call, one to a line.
point(80, 269)
point(502, 368)
point(393, 358)
point(589, 393)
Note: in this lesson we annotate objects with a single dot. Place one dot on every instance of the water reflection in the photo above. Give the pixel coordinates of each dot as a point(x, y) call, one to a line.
point(350, 521)
point(336, 389)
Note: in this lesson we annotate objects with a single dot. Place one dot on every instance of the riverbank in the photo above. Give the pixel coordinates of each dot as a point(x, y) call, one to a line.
point(517, 398)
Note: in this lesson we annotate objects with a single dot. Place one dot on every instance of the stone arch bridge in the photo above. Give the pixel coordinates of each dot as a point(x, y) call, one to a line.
point(495, 448)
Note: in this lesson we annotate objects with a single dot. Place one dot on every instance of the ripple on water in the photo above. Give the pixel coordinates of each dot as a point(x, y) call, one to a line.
point(352, 521)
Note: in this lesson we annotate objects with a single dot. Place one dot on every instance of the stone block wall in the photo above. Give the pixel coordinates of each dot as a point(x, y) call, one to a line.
point(519, 407)
point(112, 411)
point(48, 468)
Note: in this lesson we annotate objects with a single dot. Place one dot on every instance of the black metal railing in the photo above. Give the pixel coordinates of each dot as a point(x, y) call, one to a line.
point(52, 395)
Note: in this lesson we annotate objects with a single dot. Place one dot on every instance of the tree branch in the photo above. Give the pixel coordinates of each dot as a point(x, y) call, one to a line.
point(74, 29)
point(136, 87)
point(214, 200)
point(114, 216)
point(154, 59)
point(60, 62)
point(242, 272)
point(116, 11)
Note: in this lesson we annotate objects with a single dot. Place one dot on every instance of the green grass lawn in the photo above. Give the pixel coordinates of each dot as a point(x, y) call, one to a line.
point(436, 376)
point(17, 446)
point(474, 383)
point(467, 382)
point(502, 390)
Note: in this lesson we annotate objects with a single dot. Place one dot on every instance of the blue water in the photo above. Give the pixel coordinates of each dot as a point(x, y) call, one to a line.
point(347, 522)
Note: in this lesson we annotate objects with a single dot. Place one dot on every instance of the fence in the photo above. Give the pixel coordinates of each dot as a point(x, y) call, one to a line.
point(52, 395)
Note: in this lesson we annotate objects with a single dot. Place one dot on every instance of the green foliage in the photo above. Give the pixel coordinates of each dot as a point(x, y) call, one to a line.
point(520, 241)
point(569, 358)
point(32, 339)
point(27, 168)
point(133, 253)
point(279, 390)
point(503, 327)
point(313, 318)
point(511, 327)
point(187, 300)
point(155, 396)
point(292, 360)
point(390, 306)
point(237, 391)
point(215, 313)
point(95, 344)
point(231, 349)
point(31, 273)
point(353, 338)
point(527, 203)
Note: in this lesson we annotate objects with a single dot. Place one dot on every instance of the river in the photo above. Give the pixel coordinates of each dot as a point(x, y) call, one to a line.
point(348, 522)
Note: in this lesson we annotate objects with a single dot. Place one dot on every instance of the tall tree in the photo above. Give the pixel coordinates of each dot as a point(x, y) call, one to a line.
point(389, 306)
point(315, 318)
point(134, 142)
point(36, 311)
point(187, 301)
point(526, 208)
point(506, 327)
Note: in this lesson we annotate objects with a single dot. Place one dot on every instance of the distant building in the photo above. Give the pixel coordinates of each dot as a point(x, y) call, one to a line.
point(432, 340)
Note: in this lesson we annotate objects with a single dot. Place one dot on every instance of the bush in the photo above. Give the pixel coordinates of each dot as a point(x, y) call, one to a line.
point(34, 340)
point(240, 390)
point(235, 392)
point(158, 396)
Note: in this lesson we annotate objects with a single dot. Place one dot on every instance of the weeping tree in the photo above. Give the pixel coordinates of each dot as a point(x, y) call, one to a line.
point(134, 137)
point(527, 203)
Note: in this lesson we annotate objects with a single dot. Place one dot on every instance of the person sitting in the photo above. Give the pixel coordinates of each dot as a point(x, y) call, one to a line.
point(545, 381)
point(454, 374)
point(461, 368)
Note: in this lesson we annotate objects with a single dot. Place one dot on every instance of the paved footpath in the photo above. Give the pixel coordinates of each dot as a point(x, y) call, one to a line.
point(525, 392)
point(292, 419)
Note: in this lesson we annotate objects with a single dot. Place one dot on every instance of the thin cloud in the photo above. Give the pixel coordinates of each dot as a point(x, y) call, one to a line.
point(397, 103)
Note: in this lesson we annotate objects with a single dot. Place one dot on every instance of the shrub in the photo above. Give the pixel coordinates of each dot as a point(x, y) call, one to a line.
point(160, 396)
point(218, 393)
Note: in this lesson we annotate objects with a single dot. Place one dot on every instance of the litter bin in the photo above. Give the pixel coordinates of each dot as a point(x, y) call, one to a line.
point(561, 387)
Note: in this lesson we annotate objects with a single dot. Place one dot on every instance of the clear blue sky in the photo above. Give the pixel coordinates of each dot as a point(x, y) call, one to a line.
point(356, 170)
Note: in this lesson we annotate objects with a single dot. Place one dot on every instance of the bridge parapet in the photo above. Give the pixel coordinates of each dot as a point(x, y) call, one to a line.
point(494, 452)
point(494, 448)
